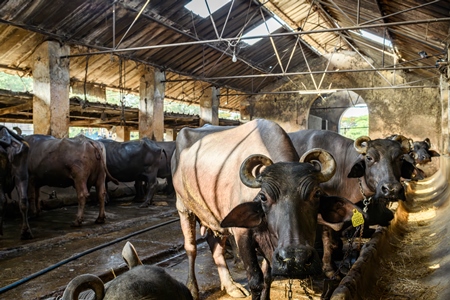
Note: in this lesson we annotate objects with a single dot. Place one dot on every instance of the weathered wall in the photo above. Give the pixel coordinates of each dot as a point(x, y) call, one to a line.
point(415, 113)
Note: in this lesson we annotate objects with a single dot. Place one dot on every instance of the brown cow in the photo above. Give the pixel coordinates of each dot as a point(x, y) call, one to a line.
point(250, 178)
point(14, 174)
point(79, 162)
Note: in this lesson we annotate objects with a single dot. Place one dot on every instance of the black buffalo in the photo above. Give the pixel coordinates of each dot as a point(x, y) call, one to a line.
point(420, 151)
point(135, 161)
point(250, 178)
point(14, 174)
point(79, 162)
point(366, 169)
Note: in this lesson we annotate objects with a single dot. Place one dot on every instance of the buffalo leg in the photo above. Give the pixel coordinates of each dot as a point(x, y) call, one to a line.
point(21, 187)
point(82, 194)
point(254, 273)
point(187, 222)
point(151, 189)
point(217, 246)
point(101, 195)
point(2, 208)
point(266, 269)
point(329, 246)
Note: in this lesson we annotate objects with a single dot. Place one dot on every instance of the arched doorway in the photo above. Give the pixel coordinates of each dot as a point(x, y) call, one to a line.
point(328, 111)
point(354, 122)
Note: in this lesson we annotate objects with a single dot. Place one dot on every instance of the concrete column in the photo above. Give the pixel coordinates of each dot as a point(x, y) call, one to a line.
point(51, 79)
point(151, 107)
point(209, 106)
point(122, 134)
point(171, 135)
point(244, 109)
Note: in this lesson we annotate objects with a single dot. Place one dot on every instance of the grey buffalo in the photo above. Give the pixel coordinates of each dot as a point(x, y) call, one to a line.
point(250, 182)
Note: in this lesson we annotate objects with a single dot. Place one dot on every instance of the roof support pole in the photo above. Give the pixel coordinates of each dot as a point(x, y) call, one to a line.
point(151, 105)
point(51, 79)
point(209, 106)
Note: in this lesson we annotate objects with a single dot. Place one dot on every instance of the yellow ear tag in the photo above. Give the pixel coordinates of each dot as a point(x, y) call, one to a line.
point(357, 218)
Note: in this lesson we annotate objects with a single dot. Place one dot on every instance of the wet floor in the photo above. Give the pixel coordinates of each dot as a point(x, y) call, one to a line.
point(56, 242)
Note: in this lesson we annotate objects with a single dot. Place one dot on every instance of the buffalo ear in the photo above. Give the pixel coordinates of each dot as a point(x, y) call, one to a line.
point(246, 215)
point(433, 153)
point(357, 169)
point(410, 171)
point(336, 210)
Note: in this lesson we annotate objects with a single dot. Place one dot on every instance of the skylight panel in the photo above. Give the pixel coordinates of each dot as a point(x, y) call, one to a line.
point(199, 7)
point(374, 38)
point(261, 29)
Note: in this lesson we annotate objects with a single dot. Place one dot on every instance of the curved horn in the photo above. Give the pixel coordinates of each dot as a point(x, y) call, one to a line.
point(246, 174)
point(428, 142)
point(130, 256)
point(81, 283)
point(327, 162)
point(358, 144)
point(405, 142)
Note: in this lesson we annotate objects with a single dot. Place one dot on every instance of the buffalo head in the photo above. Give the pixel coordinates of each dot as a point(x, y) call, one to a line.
point(287, 206)
point(383, 162)
point(422, 153)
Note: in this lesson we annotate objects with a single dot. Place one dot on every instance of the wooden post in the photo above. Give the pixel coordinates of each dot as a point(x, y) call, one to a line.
point(209, 106)
point(151, 107)
point(122, 134)
point(51, 80)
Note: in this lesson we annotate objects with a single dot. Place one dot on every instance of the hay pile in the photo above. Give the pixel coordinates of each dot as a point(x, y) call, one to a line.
point(403, 270)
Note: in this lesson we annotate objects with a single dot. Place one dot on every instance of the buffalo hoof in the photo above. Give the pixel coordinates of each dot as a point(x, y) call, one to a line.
point(145, 204)
point(77, 223)
point(236, 290)
point(26, 235)
point(100, 221)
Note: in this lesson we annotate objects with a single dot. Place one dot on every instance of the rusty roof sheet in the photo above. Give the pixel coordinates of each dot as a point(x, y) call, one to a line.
point(197, 52)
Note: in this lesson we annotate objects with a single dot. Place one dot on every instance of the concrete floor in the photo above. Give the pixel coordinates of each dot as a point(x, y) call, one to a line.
point(56, 241)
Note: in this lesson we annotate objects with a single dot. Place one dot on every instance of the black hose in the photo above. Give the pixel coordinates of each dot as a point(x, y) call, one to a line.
point(43, 271)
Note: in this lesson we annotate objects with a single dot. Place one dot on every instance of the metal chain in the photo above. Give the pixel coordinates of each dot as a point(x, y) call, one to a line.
point(347, 253)
point(288, 289)
point(306, 289)
point(366, 200)
point(288, 292)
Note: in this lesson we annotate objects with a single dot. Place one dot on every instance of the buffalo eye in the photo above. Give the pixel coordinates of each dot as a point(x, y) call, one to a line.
point(263, 197)
point(318, 193)
point(369, 158)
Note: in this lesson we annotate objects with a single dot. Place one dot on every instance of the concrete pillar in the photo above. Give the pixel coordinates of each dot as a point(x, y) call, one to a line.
point(171, 135)
point(209, 106)
point(151, 107)
point(445, 104)
point(122, 134)
point(244, 109)
point(51, 80)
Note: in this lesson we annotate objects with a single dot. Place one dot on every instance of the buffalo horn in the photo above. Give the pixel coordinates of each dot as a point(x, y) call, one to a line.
point(428, 142)
point(407, 144)
point(81, 283)
point(358, 144)
point(326, 160)
point(246, 171)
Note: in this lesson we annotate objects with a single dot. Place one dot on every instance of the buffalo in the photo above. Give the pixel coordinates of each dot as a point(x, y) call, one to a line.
point(420, 151)
point(368, 172)
point(79, 162)
point(14, 153)
point(135, 161)
point(140, 282)
point(249, 182)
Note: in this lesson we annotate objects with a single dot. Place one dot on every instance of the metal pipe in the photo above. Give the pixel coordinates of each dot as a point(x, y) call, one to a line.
point(134, 21)
point(328, 91)
point(65, 261)
point(300, 73)
point(281, 34)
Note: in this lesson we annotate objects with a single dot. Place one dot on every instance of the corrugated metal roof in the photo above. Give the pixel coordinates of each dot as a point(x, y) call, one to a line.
point(89, 26)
